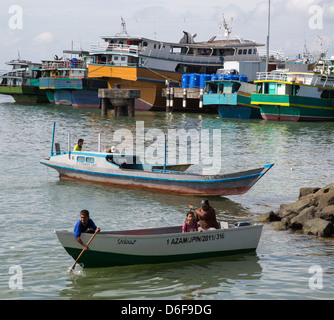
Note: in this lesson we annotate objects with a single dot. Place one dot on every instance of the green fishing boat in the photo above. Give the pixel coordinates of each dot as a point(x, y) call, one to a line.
point(295, 96)
point(22, 82)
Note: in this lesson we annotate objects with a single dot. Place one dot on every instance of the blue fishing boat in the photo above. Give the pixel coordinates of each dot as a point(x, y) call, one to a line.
point(232, 97)
point(66, 82)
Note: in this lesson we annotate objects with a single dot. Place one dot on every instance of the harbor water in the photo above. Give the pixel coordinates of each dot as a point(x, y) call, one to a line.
point(35, 202)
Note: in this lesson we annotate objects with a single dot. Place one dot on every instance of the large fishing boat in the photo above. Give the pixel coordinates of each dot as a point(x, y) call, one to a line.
point(136, 62)
point(22, 82)
point(295, 96)
point(65, 80)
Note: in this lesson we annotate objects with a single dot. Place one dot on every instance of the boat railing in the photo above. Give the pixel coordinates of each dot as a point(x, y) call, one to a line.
point(319, 80)
point(63, 64)
point(114, 47)
point(278, 76)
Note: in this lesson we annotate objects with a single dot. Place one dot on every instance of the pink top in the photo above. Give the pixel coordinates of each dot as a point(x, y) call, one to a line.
point(188, 228)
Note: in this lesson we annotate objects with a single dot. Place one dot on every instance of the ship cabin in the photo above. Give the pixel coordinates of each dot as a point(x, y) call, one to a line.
point(296, 83)
point(23, 73)
point(200, 57)
point(73, 64)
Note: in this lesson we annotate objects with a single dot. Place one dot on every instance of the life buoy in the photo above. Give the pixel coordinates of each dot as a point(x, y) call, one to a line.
point(55, 73)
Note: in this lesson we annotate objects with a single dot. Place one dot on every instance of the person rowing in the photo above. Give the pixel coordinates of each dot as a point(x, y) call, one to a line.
point(84, 225)
point(206, 215)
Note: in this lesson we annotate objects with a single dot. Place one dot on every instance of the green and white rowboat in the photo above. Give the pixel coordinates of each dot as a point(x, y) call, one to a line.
point(160, 245)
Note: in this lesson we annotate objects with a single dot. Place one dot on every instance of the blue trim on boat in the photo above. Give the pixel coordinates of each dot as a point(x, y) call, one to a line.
point(161, 179)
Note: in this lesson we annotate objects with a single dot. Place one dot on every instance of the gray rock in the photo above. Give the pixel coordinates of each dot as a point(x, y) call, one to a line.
point(318, 227)
point(307, 191)
point(327, 213)
point(298, 221)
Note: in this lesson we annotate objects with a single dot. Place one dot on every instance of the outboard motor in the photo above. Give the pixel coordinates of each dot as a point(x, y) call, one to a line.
point(242, 224)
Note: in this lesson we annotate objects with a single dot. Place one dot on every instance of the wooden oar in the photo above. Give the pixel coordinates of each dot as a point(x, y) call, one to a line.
point(83, 250)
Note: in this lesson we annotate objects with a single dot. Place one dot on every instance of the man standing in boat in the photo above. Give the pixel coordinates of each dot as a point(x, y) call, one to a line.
point(78, 147)
point(206, 215)
point(85, 224)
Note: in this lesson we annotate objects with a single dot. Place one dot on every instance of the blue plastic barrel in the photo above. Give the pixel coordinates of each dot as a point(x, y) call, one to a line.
point(185, 80)
point(194, 80)
point(243, 78)
point(204, 77)
point(214, 77)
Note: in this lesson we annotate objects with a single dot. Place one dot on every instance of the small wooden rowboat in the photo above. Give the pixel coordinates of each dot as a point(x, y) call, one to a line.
point(160, 245)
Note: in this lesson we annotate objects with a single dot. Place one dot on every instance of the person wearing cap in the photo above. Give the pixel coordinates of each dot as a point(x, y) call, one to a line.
point(78, 147)
point(206, 215)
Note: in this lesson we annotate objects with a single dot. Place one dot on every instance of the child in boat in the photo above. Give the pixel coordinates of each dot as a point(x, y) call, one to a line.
point(190, 225)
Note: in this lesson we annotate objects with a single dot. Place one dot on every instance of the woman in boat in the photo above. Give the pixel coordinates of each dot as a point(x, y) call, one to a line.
point(85, 224)
point(206, 215)
point(190, 225)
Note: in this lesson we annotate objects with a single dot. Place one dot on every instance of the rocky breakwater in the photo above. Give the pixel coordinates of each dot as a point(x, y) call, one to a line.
point(312, 213)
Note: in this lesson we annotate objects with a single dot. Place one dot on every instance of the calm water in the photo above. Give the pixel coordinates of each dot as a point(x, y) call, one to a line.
point(34, 202)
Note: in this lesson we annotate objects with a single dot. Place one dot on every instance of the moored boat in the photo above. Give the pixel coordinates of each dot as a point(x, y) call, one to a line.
point(66, 83)
point(232, 98)
point(135, 62)
point(160, 245)
point(295, 96)
point(22, 82)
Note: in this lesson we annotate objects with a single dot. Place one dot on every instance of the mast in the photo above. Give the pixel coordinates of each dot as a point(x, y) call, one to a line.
point(267, 56)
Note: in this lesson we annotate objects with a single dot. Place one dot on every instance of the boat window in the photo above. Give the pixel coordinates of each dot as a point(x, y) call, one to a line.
point(239, 51)
point(81, 159)
point(249, 51)
point(90, 160)
point(244, 51)
point(254, 51)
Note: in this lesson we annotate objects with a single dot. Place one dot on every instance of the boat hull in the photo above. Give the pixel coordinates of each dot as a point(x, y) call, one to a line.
point(169, 181)
point(159, 245)
point(274, 107)
point(233, 105)
point(25, 94)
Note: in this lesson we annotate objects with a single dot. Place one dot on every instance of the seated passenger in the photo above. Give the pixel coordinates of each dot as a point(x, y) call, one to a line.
point(190, 225)
point(78, 147)
point(206, 215)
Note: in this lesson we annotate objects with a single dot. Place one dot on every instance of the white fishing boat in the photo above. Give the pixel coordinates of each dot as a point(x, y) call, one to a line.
point(159, 245)
point(131, 171)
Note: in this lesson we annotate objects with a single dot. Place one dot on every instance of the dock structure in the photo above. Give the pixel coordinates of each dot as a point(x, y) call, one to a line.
point(172, 93)
point(121, 100)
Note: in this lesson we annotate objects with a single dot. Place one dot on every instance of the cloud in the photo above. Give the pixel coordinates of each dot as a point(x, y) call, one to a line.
point(44, 38)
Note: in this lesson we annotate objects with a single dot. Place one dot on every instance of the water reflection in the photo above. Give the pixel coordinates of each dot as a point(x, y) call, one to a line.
point(204, 279)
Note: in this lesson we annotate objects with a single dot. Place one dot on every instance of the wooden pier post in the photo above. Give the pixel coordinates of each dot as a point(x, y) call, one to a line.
point(168, 99)
point(184, 101)
point(201, 92)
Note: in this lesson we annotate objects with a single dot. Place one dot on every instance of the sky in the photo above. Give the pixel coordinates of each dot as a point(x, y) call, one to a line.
point(39, 30)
